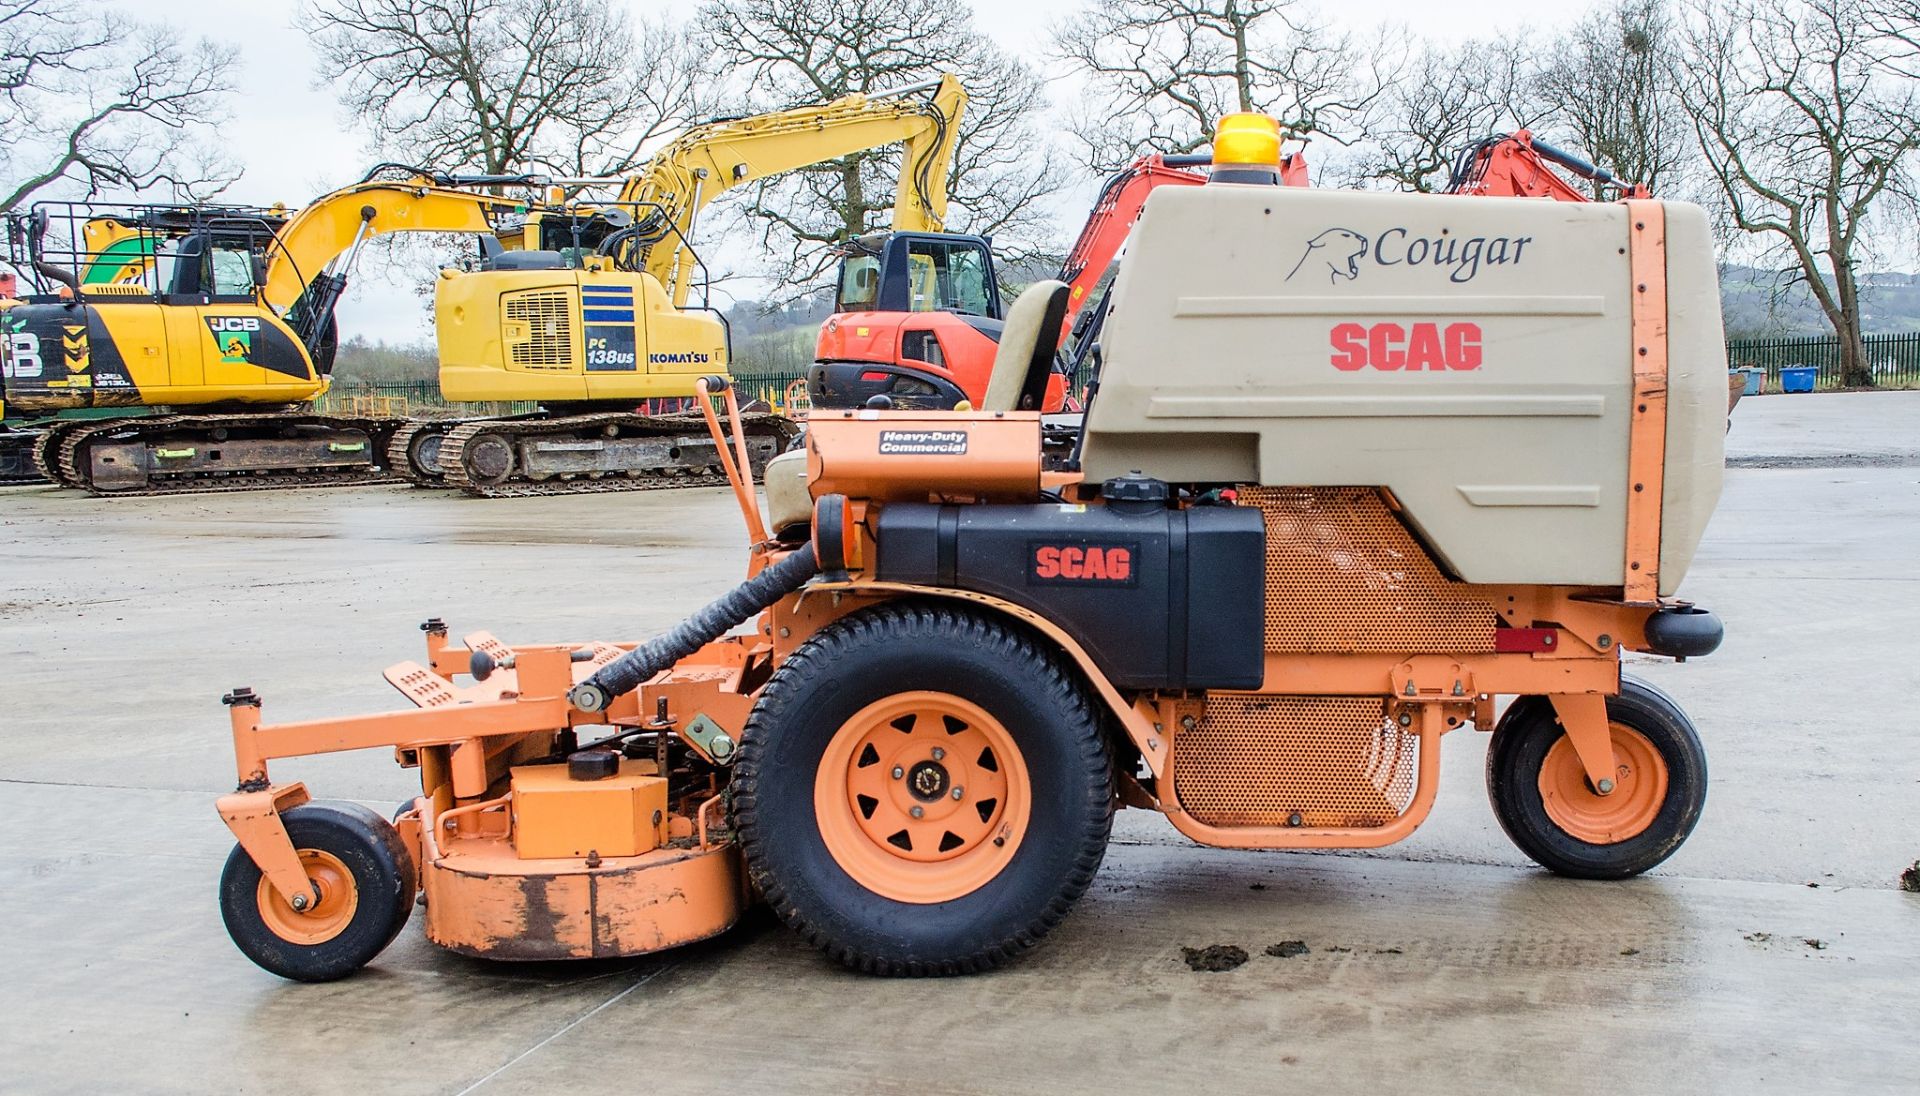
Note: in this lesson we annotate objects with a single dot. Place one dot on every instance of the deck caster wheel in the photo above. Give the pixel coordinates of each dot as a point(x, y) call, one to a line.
point(366, 883)
point(900, 830)
point(1550, 810)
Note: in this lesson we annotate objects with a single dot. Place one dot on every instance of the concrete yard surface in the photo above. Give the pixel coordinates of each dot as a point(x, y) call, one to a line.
point(1773, 953)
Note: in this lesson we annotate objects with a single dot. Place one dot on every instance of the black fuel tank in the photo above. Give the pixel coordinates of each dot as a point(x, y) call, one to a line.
point(1161, 598)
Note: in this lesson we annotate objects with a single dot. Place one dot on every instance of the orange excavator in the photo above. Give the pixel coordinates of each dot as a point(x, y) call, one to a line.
point(918, 315)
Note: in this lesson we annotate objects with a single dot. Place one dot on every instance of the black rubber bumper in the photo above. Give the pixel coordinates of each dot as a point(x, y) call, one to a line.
point(1686, 631)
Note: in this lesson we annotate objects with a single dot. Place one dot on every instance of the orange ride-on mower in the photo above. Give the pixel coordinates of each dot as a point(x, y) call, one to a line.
point(1358, 466)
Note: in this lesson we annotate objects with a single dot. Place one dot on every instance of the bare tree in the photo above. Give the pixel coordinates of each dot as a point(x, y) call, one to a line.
point(1445, 99)
point(1809, 139)
point(1611, 83)
point(1160, 73)
point(789, 52)
point(563, 86)
point(105, 102)
point(1899, 22)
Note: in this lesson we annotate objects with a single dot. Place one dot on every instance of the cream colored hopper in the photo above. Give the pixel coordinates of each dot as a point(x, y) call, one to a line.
point(1471, 354)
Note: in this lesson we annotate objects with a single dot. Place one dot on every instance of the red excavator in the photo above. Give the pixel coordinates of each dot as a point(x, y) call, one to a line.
point(917, 315)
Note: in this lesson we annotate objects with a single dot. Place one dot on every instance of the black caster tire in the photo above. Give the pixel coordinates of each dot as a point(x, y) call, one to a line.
point(367, 883)
point(1543, 800)
point(937, 791)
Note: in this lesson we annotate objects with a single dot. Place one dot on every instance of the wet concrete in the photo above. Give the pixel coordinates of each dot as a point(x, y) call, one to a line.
point(1446, 963)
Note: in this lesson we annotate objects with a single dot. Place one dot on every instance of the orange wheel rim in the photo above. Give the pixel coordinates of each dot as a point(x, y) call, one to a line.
point(326, 918)
point(1639, 789)
point(922, 797)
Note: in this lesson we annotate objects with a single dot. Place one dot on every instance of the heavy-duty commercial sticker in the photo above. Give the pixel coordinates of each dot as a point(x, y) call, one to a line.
point(1051, 563)
point(923, 443)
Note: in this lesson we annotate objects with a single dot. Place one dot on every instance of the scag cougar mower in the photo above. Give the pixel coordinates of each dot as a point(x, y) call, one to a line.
point(1357, 466)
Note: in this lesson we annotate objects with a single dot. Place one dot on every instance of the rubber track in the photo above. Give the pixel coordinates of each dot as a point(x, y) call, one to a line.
point(70, 443)
point(453, 452)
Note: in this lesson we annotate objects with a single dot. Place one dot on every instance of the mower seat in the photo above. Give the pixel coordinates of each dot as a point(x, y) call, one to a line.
point(1020, 369)
point(788, 502)
point(1027, 344)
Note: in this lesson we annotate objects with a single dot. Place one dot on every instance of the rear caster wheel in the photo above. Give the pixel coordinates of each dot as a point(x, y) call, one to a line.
point(938, 830)
point(366, 884)
point(1544, 801)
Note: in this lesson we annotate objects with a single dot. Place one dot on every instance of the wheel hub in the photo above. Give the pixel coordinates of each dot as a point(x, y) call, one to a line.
point(922, 797)
point(928, 781)
point(325, 917)
point(1622, 811)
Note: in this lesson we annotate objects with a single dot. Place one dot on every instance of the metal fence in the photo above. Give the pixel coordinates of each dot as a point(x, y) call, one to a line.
point(785, 393)
point(1892, 360)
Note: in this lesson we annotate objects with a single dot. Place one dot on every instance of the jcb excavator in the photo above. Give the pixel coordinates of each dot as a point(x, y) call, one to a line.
point(218, 317)
point(581, 305)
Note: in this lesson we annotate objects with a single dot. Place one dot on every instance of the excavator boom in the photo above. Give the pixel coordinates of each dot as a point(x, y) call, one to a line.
point(1515, 165)
point(706, 161)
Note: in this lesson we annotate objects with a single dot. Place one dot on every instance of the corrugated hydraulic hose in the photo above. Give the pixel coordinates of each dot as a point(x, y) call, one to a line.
point(624, 674)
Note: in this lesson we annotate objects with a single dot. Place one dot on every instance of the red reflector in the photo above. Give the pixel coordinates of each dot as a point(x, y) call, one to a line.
point(873, 376)
point(1522, 641)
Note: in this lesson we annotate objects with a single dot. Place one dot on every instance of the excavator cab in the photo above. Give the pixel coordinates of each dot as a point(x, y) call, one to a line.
point(917, 320)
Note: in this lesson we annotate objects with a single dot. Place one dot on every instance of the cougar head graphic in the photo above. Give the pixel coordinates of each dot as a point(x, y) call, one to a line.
point(1340, 248)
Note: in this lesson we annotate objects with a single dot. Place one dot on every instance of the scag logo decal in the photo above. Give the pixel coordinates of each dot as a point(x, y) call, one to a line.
point(1052, 564)
point(1414, 348)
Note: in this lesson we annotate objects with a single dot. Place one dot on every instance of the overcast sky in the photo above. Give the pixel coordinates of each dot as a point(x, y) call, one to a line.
point(294, 141)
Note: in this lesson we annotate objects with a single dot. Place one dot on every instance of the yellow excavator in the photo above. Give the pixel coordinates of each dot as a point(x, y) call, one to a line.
point(222, 318)
point(604, 323)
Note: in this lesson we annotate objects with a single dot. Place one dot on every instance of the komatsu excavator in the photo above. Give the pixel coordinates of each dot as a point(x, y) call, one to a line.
point(223, 317)
point(598, 333)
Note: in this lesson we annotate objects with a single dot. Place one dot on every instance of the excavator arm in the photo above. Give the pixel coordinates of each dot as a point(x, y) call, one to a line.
point(1516, 165)
point(337, 223)
point(709, 160)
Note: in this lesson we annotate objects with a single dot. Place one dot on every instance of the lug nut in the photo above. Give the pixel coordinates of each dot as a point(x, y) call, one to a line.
point(1605, 786)
point(958, 792)
point(898, 772)
point(299, 903)
point(938, 753)
point(918, 812)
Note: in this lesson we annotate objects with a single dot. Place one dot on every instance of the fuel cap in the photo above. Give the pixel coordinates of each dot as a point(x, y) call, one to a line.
point(1135, 491)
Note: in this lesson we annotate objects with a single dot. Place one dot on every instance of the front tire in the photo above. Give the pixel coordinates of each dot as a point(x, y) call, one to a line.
point(1543, 800)
point(923, 790)
point(366, 880)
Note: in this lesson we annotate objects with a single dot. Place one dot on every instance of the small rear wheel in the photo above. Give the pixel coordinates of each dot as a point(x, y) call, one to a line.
point(937, 829)
point(1544, 801)
point(366, 882)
